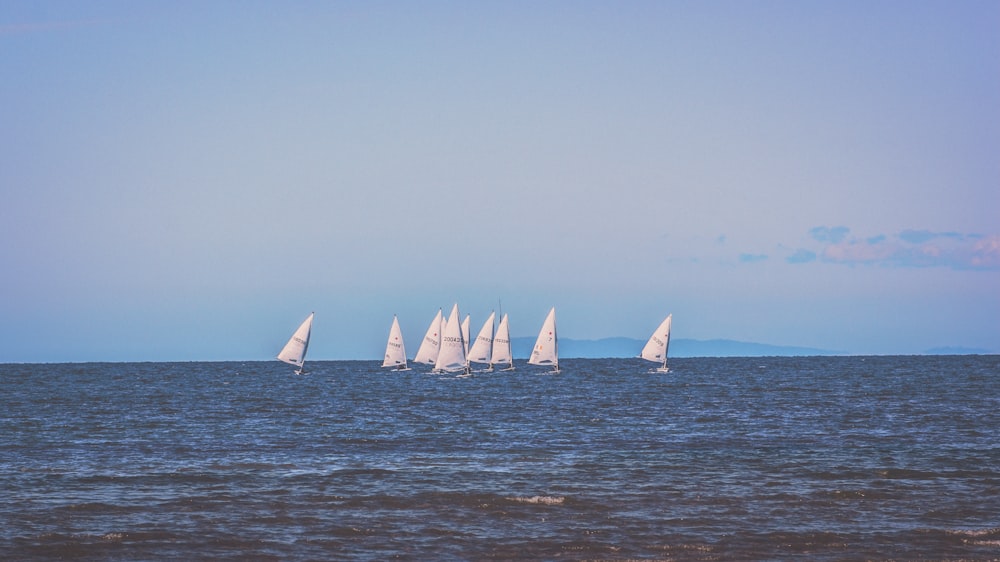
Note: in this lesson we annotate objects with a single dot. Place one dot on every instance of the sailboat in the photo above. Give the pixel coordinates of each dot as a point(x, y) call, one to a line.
point(501, 346)
point(428, 351)
point(483, 346)
point(546, 351)
point(656, 348)
point(451, 357)
point(395, 352)
point(294, 352)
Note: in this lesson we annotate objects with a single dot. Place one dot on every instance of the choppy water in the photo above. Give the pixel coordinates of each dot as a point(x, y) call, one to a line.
point(758, 458)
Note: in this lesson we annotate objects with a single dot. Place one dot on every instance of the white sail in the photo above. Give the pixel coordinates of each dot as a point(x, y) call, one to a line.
point(546, 351)
point(465, 334)
point(659, 343)
point(483, 346)
point(444, 326)
point(395, 351)
point(451, 358)
point(428, 351)
point(294, 352)
point(501, 345)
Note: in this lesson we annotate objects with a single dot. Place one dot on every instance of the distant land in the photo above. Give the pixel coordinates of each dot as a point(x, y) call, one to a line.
point(630, 347)
point(959, 351)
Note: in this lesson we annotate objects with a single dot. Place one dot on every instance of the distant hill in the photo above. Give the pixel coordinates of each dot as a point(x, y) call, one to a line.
point(958, 351)
point(630, 347)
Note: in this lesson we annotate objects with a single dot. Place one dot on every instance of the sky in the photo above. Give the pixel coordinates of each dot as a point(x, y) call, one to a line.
point(189, 180)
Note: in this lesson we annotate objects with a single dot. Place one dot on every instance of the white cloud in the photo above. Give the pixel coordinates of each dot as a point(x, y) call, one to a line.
point(832, 234)
point(909, 248)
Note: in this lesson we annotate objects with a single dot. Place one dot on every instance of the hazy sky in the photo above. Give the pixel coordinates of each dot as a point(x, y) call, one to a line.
point(189, 180)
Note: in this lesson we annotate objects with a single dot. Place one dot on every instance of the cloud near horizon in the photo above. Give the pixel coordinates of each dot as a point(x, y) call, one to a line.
point(752, 258)
point(909, 248)
point(833, 234)
point(801, 256)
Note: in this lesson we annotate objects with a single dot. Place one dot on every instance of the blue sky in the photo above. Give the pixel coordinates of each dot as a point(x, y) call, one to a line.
point(185, 181)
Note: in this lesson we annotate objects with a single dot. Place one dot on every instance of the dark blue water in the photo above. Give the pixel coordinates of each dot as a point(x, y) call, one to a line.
point(758, 458)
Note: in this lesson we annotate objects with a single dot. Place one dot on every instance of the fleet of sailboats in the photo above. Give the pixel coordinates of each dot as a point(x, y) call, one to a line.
point(446, 345)
point(294, 352)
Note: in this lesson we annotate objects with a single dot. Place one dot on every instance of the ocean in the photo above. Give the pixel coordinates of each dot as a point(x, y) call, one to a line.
point(794, 458)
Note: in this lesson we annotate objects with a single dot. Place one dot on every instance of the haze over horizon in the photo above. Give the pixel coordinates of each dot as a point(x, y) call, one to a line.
point(188, 181)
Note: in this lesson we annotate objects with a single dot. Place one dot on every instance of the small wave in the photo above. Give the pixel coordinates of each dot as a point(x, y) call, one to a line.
point(978, 537)
point(976, 533)
point(906, 474)
point(543, 500)
point(99, 508)
point(854, 494)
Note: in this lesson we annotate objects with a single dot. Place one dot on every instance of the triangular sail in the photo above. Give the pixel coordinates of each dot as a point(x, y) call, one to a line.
point(546, 351)
point(659, 343)
point(294, 352)
point(483, 346)
point(444, 326)
point(465, 333)
point(501, 345)
point(395, 351)
point(451, 358)
point(428, 351)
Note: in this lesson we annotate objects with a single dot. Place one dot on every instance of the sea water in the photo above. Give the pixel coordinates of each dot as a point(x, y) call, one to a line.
point(824, 458)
